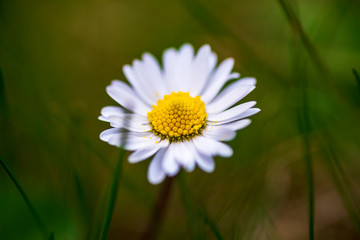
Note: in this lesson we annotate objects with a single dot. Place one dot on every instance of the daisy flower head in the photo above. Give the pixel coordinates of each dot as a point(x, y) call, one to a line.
point(179, 113)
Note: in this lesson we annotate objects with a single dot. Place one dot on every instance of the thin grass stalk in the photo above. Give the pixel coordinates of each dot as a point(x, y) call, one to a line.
point(306, 141)
point(357, 77)
point(303, 112)
point(297, 28)
point(304, 129)
point(340, 177)
point(39, 223)
point(340, 180)
point(159, 210)
point(82, 200)
point(194, 212)
point(112, 198)
point(52, 236)
point(3, 103)
point(310, 183)
point(213, 226)
point(191, 215)
point(4, 117)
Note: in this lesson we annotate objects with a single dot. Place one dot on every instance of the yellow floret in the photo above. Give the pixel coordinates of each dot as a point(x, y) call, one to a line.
point(178, 116)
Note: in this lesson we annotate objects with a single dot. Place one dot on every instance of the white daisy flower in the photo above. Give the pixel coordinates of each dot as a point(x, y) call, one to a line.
point(177, 112)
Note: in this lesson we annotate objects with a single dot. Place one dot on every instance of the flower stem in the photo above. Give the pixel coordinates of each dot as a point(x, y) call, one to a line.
point(159, 210)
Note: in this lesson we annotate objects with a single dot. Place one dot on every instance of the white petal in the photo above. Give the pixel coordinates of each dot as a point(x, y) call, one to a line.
point(131, 117)
point(245, 114)
point(234, 75)
point(201, 70)
point(211, 147)
point(134, 143)
point(248, 113)
point(184, 155)
point(228, 97)
point(144, 153)
point(155, 87)
point(155, 76)
point(248, 81)
point(231, 113)
point(218, 79)
point(105, 135)
point(112, 110)
point(220, 133)
point(170, 62)
point(132, 122)
point(177, 67)
point(126, 97)
point(169, 165)
point(155, 172)
point(139, 82)
point(186, 56)
point(212, 60)
point(238, 124)
point(205, 162)
point(129, 123)
point(103, 119)
point(129, 140)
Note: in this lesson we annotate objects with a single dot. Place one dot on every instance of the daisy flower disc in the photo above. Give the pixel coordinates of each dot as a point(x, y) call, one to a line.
point(179, 113)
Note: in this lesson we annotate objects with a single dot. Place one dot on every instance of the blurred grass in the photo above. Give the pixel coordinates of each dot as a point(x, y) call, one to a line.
point(357, 78)
point(40, 224)
point(112, 196)
point(303, 114)
point(298, 30)
point(58, 56)
point(196, 214)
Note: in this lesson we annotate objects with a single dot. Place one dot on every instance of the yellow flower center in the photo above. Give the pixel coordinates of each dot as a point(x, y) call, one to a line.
point(178, 117)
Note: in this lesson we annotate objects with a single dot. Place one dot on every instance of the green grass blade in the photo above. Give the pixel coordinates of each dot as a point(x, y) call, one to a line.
point(195, 213)
point(193, 222)
point(82, 200)
point(112, 197)
point(4, 113)
point(52, 236)
point(303, 111)
point(159, 210)
point(305, 129)
point(298, 29)
point(3, 104)
point(310, 187)
point(357, 77)
point(39, 223)
point(213, 226)
point(343, 184)
point(340, 177)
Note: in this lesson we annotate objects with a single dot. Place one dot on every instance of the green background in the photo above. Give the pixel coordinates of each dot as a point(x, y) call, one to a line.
point(57, 57)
